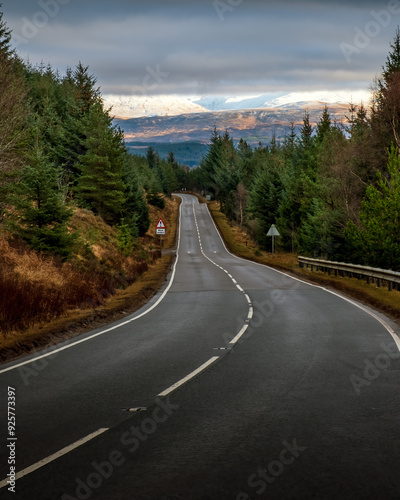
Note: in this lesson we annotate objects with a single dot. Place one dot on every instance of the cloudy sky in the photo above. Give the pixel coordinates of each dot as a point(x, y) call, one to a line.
point(227, 47)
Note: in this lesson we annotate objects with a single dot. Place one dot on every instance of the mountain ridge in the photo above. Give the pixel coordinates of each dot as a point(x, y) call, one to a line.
point(254, 125)
point(126, 107)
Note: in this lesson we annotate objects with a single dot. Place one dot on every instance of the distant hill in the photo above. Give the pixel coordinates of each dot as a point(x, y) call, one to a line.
point(293, 100)
point(255, 125)
point(135, 107)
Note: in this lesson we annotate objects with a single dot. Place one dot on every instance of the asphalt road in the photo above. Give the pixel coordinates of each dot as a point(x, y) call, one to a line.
point(246, 384)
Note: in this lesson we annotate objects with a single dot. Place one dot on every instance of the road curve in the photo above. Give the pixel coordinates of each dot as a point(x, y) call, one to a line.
point(246, 383)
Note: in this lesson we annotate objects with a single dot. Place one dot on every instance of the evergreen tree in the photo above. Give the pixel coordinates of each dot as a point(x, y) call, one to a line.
point(171, 160)
point(136, 210)
point(393, 59)
point(5, 38)
point(264, 201)
point(212, 161)
point(41, 216)
point(246, 163)
point(101, 185)
point(86, 92)
point(290, 140)
point(170, 183)
point(376, 241)
point(324, 125)
point(151, 158)
point(385, 119)
point(306, 131)
point(153, 195)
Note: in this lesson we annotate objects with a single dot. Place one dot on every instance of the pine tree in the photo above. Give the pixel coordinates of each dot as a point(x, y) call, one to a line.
point(86, 92)
point(385, 118)
point(101, 185)
point(170, 182)
point(264, 201)
point(324, 125)
point(171, 159)
point(151, 158)
point(5, 38)
point(376, 241)
point(40, 215)
point(136, 211)
point(306, 131)
point(393, 59)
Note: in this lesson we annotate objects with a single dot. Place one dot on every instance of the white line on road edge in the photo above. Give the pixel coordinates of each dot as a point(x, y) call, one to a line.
point(53, 457)
point(387, 327)
point(73, 344)
point(188, 377)
point(239, 335)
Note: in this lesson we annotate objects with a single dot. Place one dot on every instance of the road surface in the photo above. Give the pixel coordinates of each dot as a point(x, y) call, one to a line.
point(235, 382)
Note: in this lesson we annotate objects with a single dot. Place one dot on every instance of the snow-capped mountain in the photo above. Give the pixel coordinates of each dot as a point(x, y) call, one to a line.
point(221, 103)
point(163, 105)
point(293, 100)
point(136, 107)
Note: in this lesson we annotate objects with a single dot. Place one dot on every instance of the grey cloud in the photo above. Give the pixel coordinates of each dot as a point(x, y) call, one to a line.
point(261, 45)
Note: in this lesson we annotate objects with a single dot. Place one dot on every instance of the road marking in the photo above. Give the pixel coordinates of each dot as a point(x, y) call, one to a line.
point(188, 377)
point(239, 335)
point(250, 313)
point(107, 330)
point(387, 327)
point(53, 457)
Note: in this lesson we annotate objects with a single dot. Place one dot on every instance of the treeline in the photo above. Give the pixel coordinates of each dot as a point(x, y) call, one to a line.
point(333, 191)
point(60, 150)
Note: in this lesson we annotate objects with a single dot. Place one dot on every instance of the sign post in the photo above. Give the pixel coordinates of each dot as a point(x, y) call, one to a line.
point(273, 232)
point(160, 229)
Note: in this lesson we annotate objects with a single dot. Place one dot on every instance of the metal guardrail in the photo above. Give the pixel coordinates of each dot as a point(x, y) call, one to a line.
point(370, 274)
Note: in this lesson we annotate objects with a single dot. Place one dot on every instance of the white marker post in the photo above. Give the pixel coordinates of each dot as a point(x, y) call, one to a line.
point(160, 229)
point(273, 232)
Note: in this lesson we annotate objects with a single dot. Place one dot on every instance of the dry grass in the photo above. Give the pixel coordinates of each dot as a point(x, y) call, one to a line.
point(241, 244)
point(44, 300)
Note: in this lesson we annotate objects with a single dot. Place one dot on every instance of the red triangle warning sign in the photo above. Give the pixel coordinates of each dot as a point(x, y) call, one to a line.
point(160, 224)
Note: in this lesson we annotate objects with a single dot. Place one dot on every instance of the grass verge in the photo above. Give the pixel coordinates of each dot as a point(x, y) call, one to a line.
point(122, 302)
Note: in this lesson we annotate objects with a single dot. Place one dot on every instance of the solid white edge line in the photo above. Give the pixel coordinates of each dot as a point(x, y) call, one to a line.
point(107, 330)
point(239, 335)
point(387, 327)
point(53, 457)
point(188, 377)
